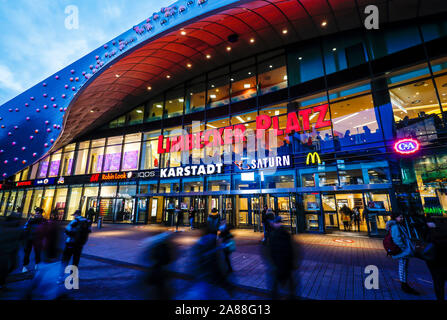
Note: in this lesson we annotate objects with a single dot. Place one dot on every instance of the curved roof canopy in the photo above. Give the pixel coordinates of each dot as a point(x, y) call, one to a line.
point(183, 40)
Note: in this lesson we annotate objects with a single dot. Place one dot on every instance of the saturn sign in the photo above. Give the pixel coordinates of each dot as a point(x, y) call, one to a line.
point(406, 146)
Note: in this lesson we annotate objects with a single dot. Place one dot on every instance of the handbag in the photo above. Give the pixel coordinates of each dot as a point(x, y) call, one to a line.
point(424, 250)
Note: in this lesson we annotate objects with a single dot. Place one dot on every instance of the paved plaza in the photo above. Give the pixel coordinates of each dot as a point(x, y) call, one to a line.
point(331, 267)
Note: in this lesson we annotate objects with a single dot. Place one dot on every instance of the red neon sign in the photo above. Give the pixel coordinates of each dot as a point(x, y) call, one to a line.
point(407, 146)
point(297, 121)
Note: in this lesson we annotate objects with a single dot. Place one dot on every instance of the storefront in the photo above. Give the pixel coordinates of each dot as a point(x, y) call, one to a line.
point(316, 130)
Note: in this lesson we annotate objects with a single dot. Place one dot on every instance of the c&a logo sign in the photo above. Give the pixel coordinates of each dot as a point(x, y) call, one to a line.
point(312, 158)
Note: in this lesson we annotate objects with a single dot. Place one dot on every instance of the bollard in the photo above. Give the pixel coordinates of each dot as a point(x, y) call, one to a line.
point(99, 225)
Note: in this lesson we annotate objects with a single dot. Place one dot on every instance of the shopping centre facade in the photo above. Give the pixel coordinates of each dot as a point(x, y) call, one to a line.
point(293, 104)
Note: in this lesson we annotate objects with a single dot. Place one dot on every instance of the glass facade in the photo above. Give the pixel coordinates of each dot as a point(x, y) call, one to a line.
point(338, 131)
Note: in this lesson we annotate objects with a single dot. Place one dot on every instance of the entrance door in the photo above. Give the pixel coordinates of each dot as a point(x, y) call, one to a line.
point(346, 203)
point(250, 211)
point(281, 205)
point(142, 210)
point(228, 210)
point(329, 203)
point(312, 212)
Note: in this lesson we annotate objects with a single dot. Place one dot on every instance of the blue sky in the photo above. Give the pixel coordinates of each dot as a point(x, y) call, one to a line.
point(34, 42)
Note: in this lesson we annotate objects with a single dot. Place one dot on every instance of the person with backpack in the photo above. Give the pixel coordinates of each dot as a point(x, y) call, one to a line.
point(398, 245)
point(213, 221)
point(356, 218)
point(77, 233)
point(179, 215)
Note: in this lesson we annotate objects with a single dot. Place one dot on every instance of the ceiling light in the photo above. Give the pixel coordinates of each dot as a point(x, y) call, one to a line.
point(183, 33)
point(212, 96)
point(117, 75)
point(149, 88)
point(139, 111)
point(168, 76)
point(300, 58)
point(270, 66)
point(334, 49)
point(324, 23)
point(92, 111)
point(208, 56)
point(159, 106)
point(228, 48)
point(240, 119)
point(247, 86)
point(231, 79)
point(180, 100)
point(252, 40)
point(189, 65)
point(284, 31)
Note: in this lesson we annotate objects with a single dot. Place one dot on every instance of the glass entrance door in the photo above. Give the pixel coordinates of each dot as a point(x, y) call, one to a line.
point(250, 211)
point(124, 210)
point(329, 203)
point(312, 212)
point(281, 206)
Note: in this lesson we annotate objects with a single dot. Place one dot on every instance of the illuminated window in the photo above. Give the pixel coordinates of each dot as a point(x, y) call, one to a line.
point(136, 116)
point(218, 92)
point(113, 154)
point(155, 109)
point(174, 102)
point(195, 96)
point(243, 84)
point(272, 75)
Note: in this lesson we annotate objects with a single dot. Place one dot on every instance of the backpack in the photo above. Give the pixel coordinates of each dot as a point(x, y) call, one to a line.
point(391, 248)
point(81, 231)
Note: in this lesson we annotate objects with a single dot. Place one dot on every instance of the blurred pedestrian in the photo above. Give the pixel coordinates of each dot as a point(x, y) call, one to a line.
point(211, 280)
point(346, 217)
point(282, 258)
point(179, 215)
point(45, 284)
point(33, 238)
point(229, 245)
point(401, 238)
point(10, 237)
point(269, 218)
point(91, 214)
point(213, 221)
point(77, 233)
point(191, 216)
point(356, 218)
point(158, 254)
point(264, 220)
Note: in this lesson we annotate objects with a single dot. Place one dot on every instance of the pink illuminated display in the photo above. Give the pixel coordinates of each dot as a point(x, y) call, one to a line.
point(406, 146)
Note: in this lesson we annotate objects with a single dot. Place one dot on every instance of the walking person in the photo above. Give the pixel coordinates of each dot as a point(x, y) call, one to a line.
point(227, 242)
point(282, 258)
point(264, 221)
point(346, 216)
point(213, 221)
point(33, 239)
point(191, 216)
point(77, 233)
point(179, 215)
point(91, 214)
point(269, 218)
point(356, 218)
point(401, 238)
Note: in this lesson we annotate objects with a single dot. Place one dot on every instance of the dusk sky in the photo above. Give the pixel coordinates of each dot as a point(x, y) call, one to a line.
point(34, 42)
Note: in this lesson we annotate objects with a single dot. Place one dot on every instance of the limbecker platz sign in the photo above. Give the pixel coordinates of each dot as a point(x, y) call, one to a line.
point(236, 133)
